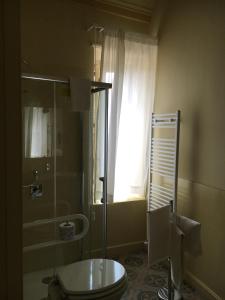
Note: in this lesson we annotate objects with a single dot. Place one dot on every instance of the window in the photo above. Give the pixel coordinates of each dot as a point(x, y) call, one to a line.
point(97, 53)
point(129, 63)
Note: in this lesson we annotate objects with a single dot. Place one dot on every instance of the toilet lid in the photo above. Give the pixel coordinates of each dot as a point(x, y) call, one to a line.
point(90, 276)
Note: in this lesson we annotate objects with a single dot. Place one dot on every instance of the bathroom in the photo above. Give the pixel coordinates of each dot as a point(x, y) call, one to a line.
point(55, 41)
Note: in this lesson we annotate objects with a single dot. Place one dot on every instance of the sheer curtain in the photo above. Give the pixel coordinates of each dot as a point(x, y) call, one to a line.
point(113, 72)
point(129, 63)
point(37, 132)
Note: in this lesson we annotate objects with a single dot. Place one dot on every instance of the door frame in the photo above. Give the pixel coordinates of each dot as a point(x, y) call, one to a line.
point(10, 152)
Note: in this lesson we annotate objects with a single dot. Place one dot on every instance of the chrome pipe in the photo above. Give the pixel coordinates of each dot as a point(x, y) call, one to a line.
point(177, 160)
point(105, 225)
point(44, 78)
point(94, 84)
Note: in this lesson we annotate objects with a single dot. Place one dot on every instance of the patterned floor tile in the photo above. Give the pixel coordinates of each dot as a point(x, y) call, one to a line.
point(144, 281)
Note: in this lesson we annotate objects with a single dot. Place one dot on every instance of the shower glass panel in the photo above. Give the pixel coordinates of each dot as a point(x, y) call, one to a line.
point(69, 169)
point(38, 183)
point(98, 120)
point(60, 149)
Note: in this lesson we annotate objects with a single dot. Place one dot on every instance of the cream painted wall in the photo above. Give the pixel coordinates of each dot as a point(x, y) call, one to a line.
point(126, 228)
point(55, 39)
point(191, 72)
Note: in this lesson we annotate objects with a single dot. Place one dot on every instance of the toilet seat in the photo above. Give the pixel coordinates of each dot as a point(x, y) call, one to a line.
point(92, 279)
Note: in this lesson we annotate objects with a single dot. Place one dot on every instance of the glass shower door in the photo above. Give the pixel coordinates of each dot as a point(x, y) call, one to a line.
point(52, 181)
point(38, 184)
point(64, 174)
point(69, 170)
point(99, 153)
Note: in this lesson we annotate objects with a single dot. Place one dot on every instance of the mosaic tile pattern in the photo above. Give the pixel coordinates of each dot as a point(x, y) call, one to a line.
point(144, 281)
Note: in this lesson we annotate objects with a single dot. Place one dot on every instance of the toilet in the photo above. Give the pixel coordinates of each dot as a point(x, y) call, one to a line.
point(103, 279)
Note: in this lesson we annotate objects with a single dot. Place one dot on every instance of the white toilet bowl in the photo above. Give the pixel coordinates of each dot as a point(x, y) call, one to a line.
point(103, 279)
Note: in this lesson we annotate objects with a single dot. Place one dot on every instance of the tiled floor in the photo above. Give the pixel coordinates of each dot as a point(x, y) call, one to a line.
point(33, 288)
point(145, 281)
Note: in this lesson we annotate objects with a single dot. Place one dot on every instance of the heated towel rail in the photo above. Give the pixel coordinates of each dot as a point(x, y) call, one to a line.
point(163, 178)
point(163, 162)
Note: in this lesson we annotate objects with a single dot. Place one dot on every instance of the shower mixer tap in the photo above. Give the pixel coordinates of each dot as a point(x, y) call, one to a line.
point(35, 187)
point(36, 190)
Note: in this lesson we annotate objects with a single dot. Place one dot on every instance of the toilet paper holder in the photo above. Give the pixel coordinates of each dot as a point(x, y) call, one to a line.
point(56, 221)
point(67, 229)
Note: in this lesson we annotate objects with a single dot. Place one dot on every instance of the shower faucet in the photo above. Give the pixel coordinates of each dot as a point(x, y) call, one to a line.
point(35, 187)
point(36, 190)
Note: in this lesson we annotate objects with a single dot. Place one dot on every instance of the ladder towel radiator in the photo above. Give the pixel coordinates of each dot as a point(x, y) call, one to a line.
point(163, 174)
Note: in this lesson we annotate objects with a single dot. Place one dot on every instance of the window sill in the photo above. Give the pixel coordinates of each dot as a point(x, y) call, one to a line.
point(135, 199)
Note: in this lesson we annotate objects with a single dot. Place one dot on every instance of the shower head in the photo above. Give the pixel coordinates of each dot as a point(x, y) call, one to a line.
point(96, 27)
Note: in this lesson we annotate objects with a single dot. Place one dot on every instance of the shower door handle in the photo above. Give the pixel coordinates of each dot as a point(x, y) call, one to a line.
point(102, 180)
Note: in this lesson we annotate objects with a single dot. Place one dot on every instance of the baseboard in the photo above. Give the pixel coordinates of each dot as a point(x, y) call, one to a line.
point(201, 287)
point(121, 249)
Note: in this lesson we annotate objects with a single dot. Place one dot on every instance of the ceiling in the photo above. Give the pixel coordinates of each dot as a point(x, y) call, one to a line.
point(139, 10)
point(140, 6)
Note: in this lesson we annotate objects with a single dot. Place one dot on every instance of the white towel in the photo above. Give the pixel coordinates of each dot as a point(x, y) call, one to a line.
point(192, 238)
point(185, 236)
point(176, 254)
point(158, 234)
point(80, 93)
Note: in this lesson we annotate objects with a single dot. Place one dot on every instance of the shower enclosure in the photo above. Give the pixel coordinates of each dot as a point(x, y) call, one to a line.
point(64, 177)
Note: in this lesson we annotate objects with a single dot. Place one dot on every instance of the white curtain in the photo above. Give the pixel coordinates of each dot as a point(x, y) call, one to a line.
point(129, 63)
point(98, 143)
point(113, 72)
point(37, 132)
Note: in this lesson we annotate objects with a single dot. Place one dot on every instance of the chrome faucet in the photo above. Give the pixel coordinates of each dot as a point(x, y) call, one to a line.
point(35, 187)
